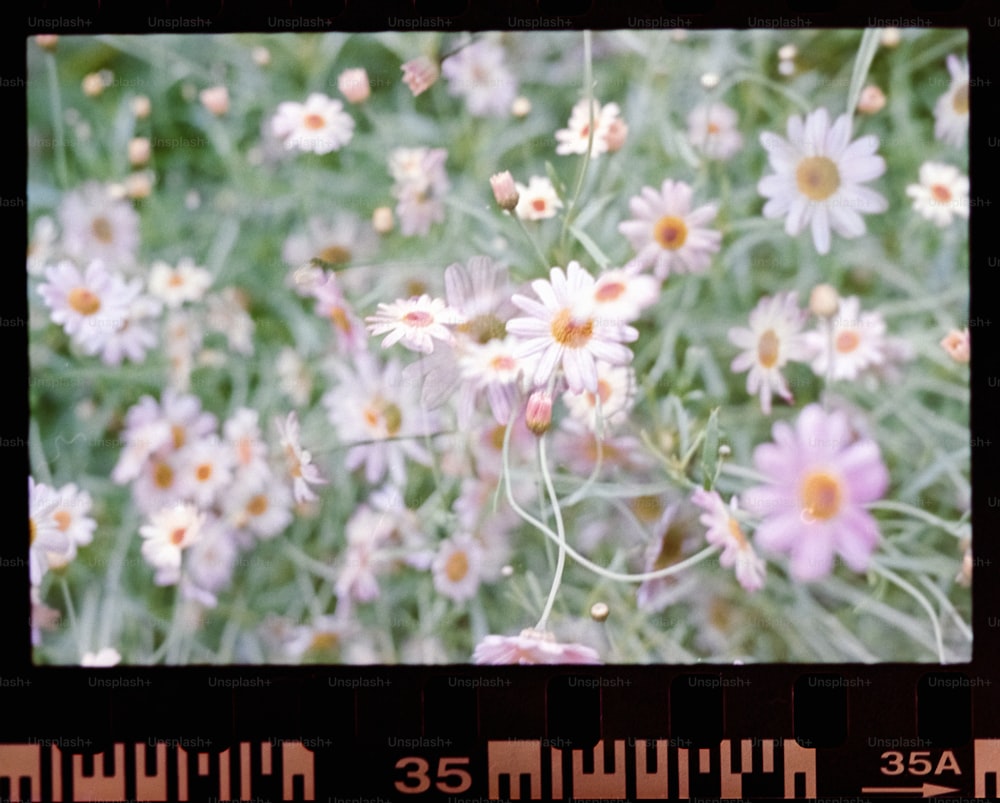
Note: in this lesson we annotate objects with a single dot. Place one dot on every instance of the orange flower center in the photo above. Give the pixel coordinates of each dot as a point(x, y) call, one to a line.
point(257, 505)
point(713, 128)
point(340, 319)
point(737, 533)
point(670, 232)
point(177, 536)
point(456, 567)
point(821, 495)
point(817, 177)
point(203, 472)
point(314, 122)
point(102, 230)
point(179, 435)
point(32, 529)
point(539, 204)
point(941, 193)
point(63, 519)
point(83, 301)
point(603, 390)
point(569, 333)
point(323, 642)
point(503, 362)
point(609, 291)
point(382, 413)
point(847, 341)
point(767, 348)
point(960, 101)
point(175, 280)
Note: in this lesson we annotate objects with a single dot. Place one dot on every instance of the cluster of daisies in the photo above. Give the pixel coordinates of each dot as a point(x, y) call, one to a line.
point(442, 418)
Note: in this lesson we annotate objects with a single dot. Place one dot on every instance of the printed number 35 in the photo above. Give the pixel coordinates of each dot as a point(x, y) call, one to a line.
point(418, 781)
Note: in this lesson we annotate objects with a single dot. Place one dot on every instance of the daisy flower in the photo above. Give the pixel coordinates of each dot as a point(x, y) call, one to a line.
point(958, 345)
point(492, 368)
point(420, 74)
point(170, 531)
point(71, 515)
point(320, 640)
point(210, 563)
point(819, 478)
point(246, 446)
point(623, 293)
point(96, 225)
point(380, 418)
point(615, 389)
point(158, 485)
point(262, 507)
point(712, 130)
point(175, 286)
point(724, 531)
point(665, 549)
point(456, 568)
point(87, 305)
point(480, 292)
point(367, 531)
point(332, 304)
point(319, 125)
point(478, 73)
point(667, 234)
point(339, 240)
point(205, 470)
point(576, 135)
point(299, 461)
point(134, 335)
point(855, 341)
point(45, 534)
point(504, 190)
point(943, 193)
point(294, 376)
point(771, 341)
point(563, 329)
point(415, 322)
point(951, 112)
point(537, 200)
point(532, 647)
point(818, 177)
point(421, 182)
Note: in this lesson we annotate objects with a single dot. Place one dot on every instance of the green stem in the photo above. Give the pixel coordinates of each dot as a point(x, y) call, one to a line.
point(71, 613)
point(534, 244)
point(588, 92)
point(894, 578)
point(55, 106)
point(956, 529)
point(560, 531)
point(862, 63)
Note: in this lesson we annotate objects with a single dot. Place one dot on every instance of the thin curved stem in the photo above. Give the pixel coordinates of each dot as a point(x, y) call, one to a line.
point(560, 532)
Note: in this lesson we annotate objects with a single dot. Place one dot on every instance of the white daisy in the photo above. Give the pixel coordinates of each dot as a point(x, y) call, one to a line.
point(319, 125)
point(170, 531)
point(263, 508)
point(818, 177)
point(456, 567)
point(623, 293)
point(45, 535)
point(724, 531)
point(88, 305)
point(138, 332)
point(854, 340)
point(157, 485)
point(226, 312)
point(421, 182)
point(667, 234)
point(205, 470)
point(616, 391)
point(574, 138)
point(299, 461)
point(772, 340)
point(478, 73)
point(712, 130)
point(951, 112)
point(320, 640)
point(563, 328)
point(492, 368)
point(420, 74)
point(175, 286)
point(537, 200)
point(943, 193)
point(367, 531)
point(96, 225)
point(246, 445)
point(71, 515)
point(416, 322)
point(339, 240)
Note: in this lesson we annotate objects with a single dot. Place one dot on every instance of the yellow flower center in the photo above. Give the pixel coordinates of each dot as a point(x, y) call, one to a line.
point(821, 494)
point(503, 362)
point(817, 177)
point(163, 475)
point(340, 319)
point(569, 333)
point(941, 193)
point(415, 287)
point(33, 530)
point(496, 437)
point(257, 505)
point(83, 301)
point(609, 291)
point(314, 122)
point(767, 348)
point(847, 341)
point(737, 533)
point(456, 567)
point(484, 328)
point(335, 255)
point(63, 519)
point(603, 390)
point(323, 642)
point(179, 435)
point(670, 232)
point(960, 100)
point(385, 413)
point(647, 508)
point(101, 229)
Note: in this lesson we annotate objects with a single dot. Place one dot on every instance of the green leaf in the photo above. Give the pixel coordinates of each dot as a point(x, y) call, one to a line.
point(592, 248)
point(557, 182)
point(710, 451)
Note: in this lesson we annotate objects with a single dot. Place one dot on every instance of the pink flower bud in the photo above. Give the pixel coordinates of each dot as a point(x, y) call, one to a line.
point(616, 134)
point(872, 100)
point(215, 99)
point(47, 41)
point(504, 190)
point(538, 414)
point(419, 74)
point(958, 345)
point(353, 85)
point(138, 151)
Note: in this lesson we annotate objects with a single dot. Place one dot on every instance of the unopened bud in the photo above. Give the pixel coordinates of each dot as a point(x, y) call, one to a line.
point(824, 301)
point(504, 190)
point(353, 85)
point(138, 151)
point(891, 37)
point(47, 42)
point(93, 85)
point(521, 107)
point(538, 414)
point(382, 220)
point(872, 100)
point(616, 135)
point(215, 99)
point(958, 344)
point(141, 107)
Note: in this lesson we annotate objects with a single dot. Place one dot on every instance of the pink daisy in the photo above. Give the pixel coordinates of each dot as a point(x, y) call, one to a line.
point(667, 234)
point(819, 479)
point(724, 531)
point(532, 647)
point(416, 322)
point(299, 461)
point(563, 327)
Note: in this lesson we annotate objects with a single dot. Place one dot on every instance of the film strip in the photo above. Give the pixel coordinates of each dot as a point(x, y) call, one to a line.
point(464, 734)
